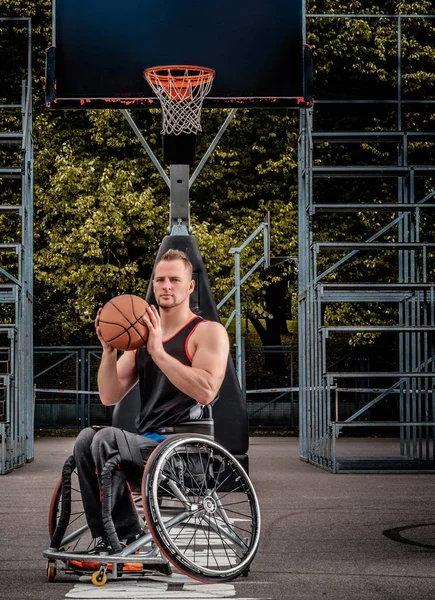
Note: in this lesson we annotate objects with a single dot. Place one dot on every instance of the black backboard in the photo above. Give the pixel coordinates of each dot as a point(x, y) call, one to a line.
point(101, 48)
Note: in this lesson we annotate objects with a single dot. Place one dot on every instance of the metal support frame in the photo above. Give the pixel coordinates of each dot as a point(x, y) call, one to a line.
point(179, 181)
point(323, 416)
point(16, 418)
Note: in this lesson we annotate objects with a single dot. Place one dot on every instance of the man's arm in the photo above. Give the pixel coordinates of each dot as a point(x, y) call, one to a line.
point(115, 377)
point(203, 379)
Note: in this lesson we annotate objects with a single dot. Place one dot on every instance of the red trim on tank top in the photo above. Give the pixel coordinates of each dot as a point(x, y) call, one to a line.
point(188, 338)
point(181, 329)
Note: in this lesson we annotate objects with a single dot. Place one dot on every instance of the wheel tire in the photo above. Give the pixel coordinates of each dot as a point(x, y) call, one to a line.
point(77, 518)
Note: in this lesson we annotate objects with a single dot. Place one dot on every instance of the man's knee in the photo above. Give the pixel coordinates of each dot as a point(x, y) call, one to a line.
point(84, 441)
point(106, 435)
point(104, 444)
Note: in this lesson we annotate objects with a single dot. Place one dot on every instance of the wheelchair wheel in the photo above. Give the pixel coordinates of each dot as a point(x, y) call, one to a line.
point(201, 508)
point(77, 537)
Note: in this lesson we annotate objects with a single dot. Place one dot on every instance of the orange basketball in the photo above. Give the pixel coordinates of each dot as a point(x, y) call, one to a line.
point(120, 324)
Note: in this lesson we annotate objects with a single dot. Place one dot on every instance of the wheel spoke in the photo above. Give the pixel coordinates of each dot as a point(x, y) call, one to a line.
point(184, 525)
point(204, 480)
point(210, 547)
point(222, 540)
point(236, 512)
point(176, 479)
point(79, 516)
point(238, 540)
point(234, 503)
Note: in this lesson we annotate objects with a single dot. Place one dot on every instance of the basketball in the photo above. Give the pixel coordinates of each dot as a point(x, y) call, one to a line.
point(120, 324)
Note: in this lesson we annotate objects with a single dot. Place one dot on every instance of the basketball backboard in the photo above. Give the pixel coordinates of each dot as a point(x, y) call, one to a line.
point(101, 48)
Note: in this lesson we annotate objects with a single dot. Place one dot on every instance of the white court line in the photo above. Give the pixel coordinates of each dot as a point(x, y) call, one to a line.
point(154, 588)
point(145, 588)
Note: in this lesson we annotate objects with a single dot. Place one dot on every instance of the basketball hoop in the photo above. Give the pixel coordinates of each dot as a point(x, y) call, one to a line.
point(181, 90)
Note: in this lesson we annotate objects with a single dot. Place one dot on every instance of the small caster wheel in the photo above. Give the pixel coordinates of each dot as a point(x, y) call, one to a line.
point(99, 577)
point(51, 573)
point(246, 573)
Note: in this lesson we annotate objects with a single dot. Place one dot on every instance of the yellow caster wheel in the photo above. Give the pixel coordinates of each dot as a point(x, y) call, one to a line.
point(99, 578)
point(51, 572)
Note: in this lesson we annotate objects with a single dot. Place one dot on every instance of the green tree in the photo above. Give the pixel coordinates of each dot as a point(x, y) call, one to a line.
point(101, 207)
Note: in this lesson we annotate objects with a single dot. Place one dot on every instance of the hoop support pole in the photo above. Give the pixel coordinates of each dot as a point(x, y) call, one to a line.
point(144, 143)
point(179, 214)
point(212, 146)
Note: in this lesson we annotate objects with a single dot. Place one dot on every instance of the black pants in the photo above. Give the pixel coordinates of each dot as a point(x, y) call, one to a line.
point(93, 448)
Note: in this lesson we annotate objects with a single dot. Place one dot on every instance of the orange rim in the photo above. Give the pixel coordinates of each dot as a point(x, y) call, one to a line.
point(161, 76)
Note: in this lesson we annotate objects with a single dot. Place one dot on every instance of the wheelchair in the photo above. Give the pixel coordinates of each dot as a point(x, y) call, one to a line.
point(197, 508)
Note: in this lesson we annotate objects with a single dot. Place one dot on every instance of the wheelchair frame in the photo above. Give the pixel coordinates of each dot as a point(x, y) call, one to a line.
point(198, 512)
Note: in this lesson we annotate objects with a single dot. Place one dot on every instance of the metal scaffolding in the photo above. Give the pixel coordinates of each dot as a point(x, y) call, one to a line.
point(327, 412)
point(16, 270)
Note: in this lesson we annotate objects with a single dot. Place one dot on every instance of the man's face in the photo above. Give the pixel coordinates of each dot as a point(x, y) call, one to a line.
point(172, 283)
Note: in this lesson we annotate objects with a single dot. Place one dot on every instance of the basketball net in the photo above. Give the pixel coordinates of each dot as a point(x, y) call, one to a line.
point(181, 90)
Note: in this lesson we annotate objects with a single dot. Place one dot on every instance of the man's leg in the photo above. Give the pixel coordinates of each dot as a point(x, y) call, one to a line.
point(104, 447)
point(88, 479)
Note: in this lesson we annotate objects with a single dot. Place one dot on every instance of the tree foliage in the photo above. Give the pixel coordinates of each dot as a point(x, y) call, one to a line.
point(101, 207)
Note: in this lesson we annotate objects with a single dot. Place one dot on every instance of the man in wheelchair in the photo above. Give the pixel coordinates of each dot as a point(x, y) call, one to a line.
point(179, 372)
point(197, 506)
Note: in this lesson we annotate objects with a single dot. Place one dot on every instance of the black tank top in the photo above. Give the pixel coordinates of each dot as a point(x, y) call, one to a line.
point(162, 404)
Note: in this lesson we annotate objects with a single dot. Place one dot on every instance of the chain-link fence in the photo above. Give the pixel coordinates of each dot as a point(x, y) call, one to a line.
point(66, 384)
point(65, 388)
point(271, 375)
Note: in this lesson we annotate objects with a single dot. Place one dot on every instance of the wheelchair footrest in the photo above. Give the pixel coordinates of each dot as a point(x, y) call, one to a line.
point(99, 559)
point(125, 567)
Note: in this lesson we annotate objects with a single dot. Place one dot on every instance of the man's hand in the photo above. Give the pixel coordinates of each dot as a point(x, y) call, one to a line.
point(106, 347)
point(115, 377)
point(155, 335)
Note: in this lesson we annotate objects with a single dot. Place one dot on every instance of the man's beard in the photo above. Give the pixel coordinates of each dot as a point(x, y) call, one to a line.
point(172, 303)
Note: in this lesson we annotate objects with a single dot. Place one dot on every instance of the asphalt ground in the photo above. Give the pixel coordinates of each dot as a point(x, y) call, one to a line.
point(364, 536)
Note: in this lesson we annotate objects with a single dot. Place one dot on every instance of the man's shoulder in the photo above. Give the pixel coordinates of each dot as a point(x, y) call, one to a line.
point(210, 343)
point(206, 330)
point(206, 325)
